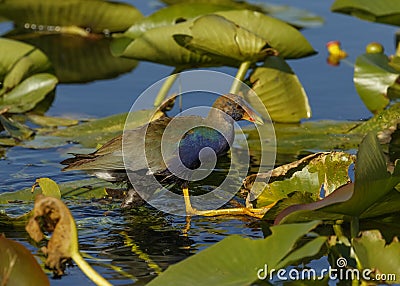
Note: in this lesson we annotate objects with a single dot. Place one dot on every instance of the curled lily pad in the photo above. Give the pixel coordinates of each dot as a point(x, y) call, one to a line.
point(52, 215)
point(288, 41)
point(158, 44)
point(383, 11)
point(223, 40)
point(45, 15)
point(280, 90)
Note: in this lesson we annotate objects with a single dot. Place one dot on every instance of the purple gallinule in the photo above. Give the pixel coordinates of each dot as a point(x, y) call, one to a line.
point(107, 162)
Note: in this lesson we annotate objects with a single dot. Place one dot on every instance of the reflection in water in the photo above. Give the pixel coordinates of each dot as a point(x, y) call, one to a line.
point(78, 59)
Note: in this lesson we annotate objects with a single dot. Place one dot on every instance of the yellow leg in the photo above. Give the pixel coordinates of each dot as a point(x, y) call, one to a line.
point(190, 211)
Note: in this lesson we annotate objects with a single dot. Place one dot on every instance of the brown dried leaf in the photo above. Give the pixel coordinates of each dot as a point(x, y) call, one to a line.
point(52, 215)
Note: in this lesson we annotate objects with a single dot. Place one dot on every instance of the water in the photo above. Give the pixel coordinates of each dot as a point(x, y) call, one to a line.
point(109, 234)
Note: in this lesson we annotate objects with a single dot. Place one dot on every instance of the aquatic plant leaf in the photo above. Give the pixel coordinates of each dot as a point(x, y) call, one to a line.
point(386, 119)
point(384, 11)
point(50, 121)
point(240, 267)
point(372, 183)
point(315, 174)
point(77, 59)
point(19, 62)
point(158, 45)
point(372, 77)
point(81, 189)
point(296, 17)
point(15, 129)
point(18, 266)
point(280, 90)
point(51, 215)
point(48, 187)
point(373, 253)
point(27, 94)
point(173, 14)
point(288, 41)
point(223, 40)
point(56, 218)
point(96, 15)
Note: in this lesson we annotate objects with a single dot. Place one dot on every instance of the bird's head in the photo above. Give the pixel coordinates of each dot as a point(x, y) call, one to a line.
point(237, 107)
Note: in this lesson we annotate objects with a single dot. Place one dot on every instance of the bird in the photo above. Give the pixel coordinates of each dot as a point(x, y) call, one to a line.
point(215, 132)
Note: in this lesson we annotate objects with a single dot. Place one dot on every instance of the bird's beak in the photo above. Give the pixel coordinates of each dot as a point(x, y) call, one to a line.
point(252, 116)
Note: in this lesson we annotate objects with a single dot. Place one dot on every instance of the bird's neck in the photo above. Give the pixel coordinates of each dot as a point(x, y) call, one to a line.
point(221, 122)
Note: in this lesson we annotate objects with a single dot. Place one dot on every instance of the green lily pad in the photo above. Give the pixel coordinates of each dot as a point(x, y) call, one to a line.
point(223, 40)
point(296, 17)
point(158, 44)
point(315, 174)
point(373, 253)
point(19, 266)
point(23, 73)
point(50, 121)
point(96, 15)
point(29, 93)
point(372, 183)
point(84, 189)
point(372, 77)
point(240, 267)
point(280, 90)
point(386, 119)
point(288, 41)
point(383, 11)
point(78, 59)
point(174, 14)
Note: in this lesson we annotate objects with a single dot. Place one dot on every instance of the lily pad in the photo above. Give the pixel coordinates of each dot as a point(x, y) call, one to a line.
point(23, 71)
point(223, 40)
point(174, 14)
point(373, 253)
point(372, 183)
point(372, 77)
point(280, 90)
point(383, 11)
point(242, 266)
point(18, 266)
point(158, 44)
point(317, 174)
point(96, 15)
point(288, 41)
point(50, 121)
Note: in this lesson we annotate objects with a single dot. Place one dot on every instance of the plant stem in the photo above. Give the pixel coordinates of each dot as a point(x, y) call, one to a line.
point(241, 73)
point(354, 226)
point(89, 271)
point(166, 87)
